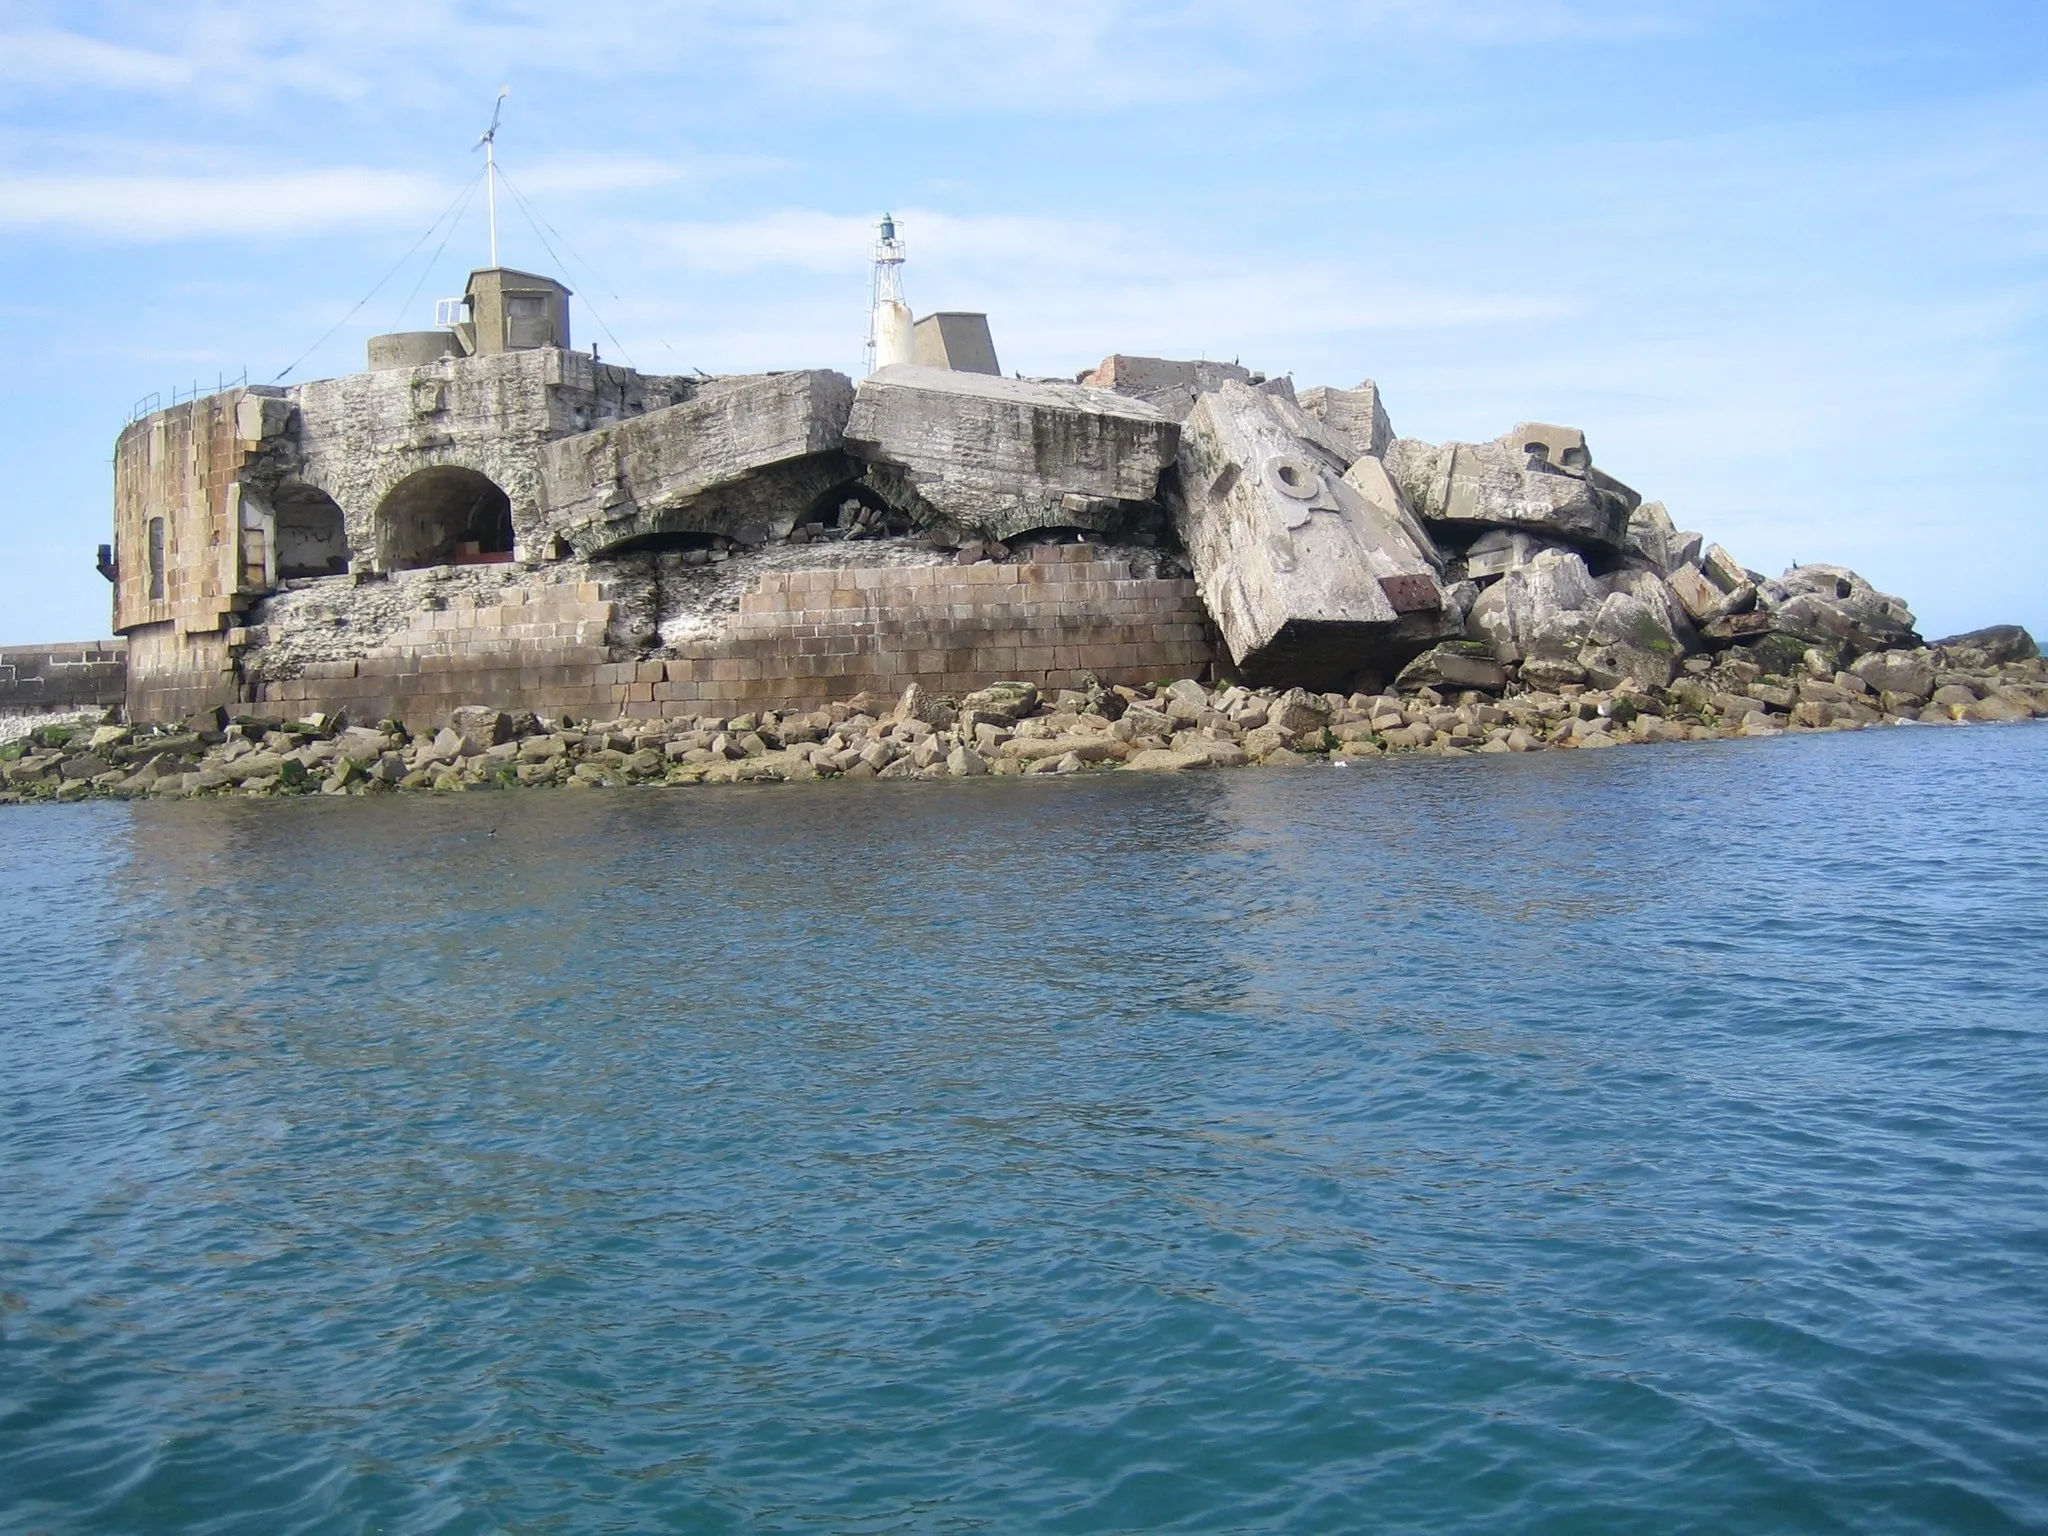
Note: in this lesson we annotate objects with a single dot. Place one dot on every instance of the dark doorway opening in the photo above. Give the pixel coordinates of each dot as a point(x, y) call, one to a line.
point(444, 516)
point(312, 535)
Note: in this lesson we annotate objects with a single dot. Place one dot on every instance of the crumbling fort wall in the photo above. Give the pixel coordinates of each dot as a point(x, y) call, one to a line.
point(537, 531)
point(589, 640)
point(184, 562)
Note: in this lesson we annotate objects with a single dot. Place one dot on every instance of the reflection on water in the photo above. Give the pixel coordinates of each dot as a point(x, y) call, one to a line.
point(1637, 1140)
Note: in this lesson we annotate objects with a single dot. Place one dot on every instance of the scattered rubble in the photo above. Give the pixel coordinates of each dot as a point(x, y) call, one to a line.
point(1454, 700)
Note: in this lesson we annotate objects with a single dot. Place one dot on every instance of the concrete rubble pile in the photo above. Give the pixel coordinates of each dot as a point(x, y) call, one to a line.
point(1454, 701)
point(534, 518)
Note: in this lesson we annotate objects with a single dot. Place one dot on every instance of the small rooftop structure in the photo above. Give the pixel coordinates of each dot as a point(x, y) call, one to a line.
point(956, 340)
point(501, 310)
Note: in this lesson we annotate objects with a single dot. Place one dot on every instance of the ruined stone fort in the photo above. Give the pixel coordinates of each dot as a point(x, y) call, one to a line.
point(488, 516)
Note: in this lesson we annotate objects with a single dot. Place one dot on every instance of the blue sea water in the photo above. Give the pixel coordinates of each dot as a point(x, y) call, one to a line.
point(1642, 1141)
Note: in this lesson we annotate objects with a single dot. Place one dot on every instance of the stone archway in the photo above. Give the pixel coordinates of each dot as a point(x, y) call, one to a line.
point(446, 515)
point(311, 533)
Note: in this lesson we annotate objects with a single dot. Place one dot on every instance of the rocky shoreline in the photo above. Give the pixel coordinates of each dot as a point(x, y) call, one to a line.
point(1446, 703)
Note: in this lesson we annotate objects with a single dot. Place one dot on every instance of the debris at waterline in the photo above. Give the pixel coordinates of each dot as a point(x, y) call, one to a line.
point(1011, 728)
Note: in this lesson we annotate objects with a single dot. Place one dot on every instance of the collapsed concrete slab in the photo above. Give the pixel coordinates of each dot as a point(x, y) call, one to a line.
point(1831, 605)
point(1000, 457)
point(1499, 550)
point(1308, 579)
point(1656, 543)
point(1358, 416)
point(1540, 611)
point(1538, 478)
point(743, 458)
point(1171, 384)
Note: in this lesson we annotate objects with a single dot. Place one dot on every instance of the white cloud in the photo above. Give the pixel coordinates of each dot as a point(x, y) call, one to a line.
point(54, 60)
point(157, 208)
point(1010, 55)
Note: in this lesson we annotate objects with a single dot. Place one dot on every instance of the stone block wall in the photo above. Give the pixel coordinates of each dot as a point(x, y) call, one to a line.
point(173, 674)
point(181, 469)
point(41, 679)
point(806, 637)
point(801, 638)
point(364, 433)
point(543, 648)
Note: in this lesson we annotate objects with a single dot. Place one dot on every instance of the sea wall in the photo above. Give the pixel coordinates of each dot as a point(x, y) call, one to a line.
point(63, 678)
point(799, 639)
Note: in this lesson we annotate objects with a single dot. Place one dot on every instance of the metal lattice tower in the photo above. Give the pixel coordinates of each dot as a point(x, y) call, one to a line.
point(888, 315)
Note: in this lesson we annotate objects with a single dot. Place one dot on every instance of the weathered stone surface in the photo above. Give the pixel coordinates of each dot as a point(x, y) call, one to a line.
point(1297, 710)
point(481, 724)
point(1307, 579)
point(1723, 569)
point(1657, 593)
point(1357, 416)
point(1537, 478)
point(1997, 646)
point(742, 458)
point(1171, 384)
point(1499, 550)
point(1701, 599)
point(1631, 641)
point(1457, 665)
point(1656, 541)
point(1002, 703)
point(1000, 457)
point(1907, 673)
point(1998, 708)
point(1543, 610)
point(1831, 604)
point(919, 705)
point(1165, 760)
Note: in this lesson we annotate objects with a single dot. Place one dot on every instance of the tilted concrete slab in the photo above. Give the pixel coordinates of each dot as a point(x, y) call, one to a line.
point(1310, 578)
point(744, 457)
point(1000, 457)
point(1538, 478)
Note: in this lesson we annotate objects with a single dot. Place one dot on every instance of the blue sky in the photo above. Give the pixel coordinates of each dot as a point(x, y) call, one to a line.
point(1786, 263)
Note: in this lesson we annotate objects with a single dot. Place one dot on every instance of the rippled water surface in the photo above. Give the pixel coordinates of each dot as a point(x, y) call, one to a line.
point(1639, 1141)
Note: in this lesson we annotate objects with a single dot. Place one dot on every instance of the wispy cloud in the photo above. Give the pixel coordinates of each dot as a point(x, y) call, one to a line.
point(51, 60)
point(1012, 55)
point(158, 208)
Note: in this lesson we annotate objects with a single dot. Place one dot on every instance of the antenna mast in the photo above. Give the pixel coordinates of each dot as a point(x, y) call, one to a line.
point(489, 145)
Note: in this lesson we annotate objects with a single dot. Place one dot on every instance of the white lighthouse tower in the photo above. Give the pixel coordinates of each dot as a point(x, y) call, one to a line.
point(891, 337)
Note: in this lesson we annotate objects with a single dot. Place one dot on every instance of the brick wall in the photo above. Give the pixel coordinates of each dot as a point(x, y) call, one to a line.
point(801, 638)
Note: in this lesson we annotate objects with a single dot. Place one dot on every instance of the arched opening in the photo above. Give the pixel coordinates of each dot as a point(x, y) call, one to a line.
point(850, 511)
point(444, 516)
point(312, 536)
